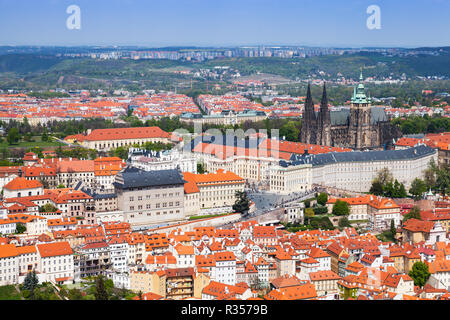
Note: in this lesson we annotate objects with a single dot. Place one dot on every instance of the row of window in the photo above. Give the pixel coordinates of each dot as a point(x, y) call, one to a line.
point(157, 205)
point(148, 196)
point(157, 213)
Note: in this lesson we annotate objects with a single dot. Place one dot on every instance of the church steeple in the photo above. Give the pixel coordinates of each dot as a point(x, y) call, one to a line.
point(325, 114)
point(323, 121)
point(309, 104)
point(324, 100)
point(309, 119)
point(308, 93)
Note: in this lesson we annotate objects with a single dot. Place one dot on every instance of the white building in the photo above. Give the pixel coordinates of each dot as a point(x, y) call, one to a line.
point(162, 160)
point(55, 260)
point(355, 171)
point(9, 264)
point(118, 250)
point(225, 267)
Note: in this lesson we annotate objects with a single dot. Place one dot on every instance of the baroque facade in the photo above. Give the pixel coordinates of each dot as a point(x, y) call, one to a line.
point(361, 127)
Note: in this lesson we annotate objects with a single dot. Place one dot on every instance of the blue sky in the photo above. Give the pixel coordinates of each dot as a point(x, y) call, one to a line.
point(226, 22)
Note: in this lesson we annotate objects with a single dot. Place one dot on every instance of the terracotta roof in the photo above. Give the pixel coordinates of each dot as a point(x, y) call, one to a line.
point(8, 250)
point(415, 225)
point(300, 292)
point(20, 183)
point(126, 133)
point(54, 249)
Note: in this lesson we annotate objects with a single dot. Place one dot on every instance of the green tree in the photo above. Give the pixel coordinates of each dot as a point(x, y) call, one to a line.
point(443, 180)
point(13, 136)
point(309, 214)
point(343, 222)
point(307, 203)
point(413, 213)
point(418, 187)
point(121, 152)
point(100, 289)
point(30, 283)
point(200, 168)
point(384, 176)
point(341, 208)
point(290, 131)
point(392, 229)
point(419, 273)
point(242, 204)
point(376, 188)
point(48, 207)
point(402, 191)
point(429, 175)
point(20, 228)
point(322, 198)
point(44, 135)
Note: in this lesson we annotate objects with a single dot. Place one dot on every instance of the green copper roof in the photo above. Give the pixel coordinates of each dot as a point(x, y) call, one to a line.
point(359, 94)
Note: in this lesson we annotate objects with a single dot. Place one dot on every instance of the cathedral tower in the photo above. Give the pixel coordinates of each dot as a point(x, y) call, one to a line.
point(323, 121)
point(359, 122)
point(308, 133)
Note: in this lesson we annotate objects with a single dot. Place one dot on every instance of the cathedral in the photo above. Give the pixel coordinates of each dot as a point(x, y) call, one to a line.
point(360, 127)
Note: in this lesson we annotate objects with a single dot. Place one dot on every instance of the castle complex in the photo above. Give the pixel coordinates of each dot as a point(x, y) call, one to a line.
point(361, 127)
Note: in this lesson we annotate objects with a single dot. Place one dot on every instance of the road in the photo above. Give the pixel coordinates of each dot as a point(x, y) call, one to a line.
point(267, 203)
point(67, 143)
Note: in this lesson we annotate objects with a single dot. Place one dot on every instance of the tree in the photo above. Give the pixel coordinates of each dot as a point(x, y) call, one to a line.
point(384, 176)
point(322, 198)
point(290, 131)
point(75, 294)
point(100, 289)
point(309, 213)
point(48, 207)
point(13, 136)
point(402, 191)
point(413, 213)
point(307, 203)
point(20, 228)
point(60, 186)
point(129, 112)
point(343, 222)
point(121, 152)
point(429, 175)
point(242, 204)
point(341, 208)
point(419, 273)
point(376, 188)
point(30, 283)
point(200, 168)
point(44, 135)
point(443, 180)
point(418, 187)
point(392, 229)
point(437, 177)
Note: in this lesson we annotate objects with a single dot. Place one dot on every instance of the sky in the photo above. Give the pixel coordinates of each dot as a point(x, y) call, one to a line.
point(157, 23)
